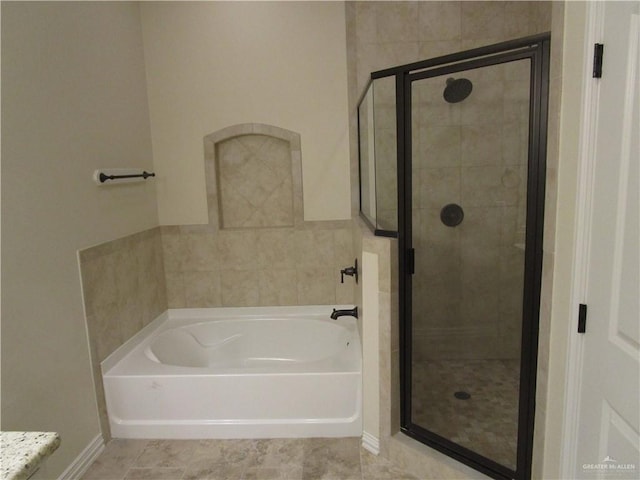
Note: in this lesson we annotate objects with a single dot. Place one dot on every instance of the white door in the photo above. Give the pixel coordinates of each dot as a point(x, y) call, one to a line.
point(609, 410)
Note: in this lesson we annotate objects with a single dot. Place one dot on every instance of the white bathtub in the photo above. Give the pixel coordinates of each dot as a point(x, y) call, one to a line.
point(261, 372)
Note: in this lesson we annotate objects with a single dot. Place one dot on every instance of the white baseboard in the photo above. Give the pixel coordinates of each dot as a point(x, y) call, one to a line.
point(370, 443)
point(82, 463)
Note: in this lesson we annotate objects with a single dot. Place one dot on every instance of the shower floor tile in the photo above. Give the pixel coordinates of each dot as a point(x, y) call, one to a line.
point(272, 459)
point(487, 421)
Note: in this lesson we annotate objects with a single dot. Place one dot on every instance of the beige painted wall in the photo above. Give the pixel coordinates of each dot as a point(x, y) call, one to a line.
point(211, 65)
point(73, 100)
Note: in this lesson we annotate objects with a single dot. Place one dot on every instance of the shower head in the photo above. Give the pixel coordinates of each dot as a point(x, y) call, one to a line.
point(457, 90)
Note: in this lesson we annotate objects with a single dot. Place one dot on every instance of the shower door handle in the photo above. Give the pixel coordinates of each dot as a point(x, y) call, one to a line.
point(410, 262)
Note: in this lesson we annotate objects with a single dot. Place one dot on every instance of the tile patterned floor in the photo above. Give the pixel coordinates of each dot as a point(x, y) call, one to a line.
point(486, 422)
point(273, 459)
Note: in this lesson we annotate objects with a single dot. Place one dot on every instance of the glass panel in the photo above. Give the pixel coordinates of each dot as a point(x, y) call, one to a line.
point(378, 153)
point(386, 153)
point(469, 178)
point(367, 157)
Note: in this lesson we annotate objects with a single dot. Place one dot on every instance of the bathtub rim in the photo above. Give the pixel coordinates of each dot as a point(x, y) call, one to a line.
point(213, 313)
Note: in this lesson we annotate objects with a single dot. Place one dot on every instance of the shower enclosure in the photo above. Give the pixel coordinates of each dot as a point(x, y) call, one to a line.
point(452, 162)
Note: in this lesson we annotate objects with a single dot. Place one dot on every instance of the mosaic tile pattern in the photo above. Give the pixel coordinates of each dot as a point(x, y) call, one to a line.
point(272, 459)
point(485, 423)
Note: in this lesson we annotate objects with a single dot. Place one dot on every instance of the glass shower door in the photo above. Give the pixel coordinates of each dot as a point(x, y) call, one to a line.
point(469, 156)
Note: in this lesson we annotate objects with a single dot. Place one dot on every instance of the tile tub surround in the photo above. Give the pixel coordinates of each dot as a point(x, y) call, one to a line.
point(283, 459)
point(258, 267)
point(22, 453)
point(130, 281)
point(256, 250)
point(123, 285)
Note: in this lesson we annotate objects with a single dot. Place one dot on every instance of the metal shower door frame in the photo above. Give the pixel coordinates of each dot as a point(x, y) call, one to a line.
point(535, 48)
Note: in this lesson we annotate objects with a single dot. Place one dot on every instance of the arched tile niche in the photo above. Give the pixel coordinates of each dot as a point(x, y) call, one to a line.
point(254, 177)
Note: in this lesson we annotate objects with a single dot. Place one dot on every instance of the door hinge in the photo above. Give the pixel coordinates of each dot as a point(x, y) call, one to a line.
point(582, 318)
point(411, 261)
point(598, 50)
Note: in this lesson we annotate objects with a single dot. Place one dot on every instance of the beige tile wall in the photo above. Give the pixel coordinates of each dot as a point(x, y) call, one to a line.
point(388, 34)
point(123, 285)
point(268, 266)
point(240, 259)
point(471, 153)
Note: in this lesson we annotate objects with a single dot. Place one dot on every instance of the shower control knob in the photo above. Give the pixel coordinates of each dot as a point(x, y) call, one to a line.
point(451, 215)
point(350, 271)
